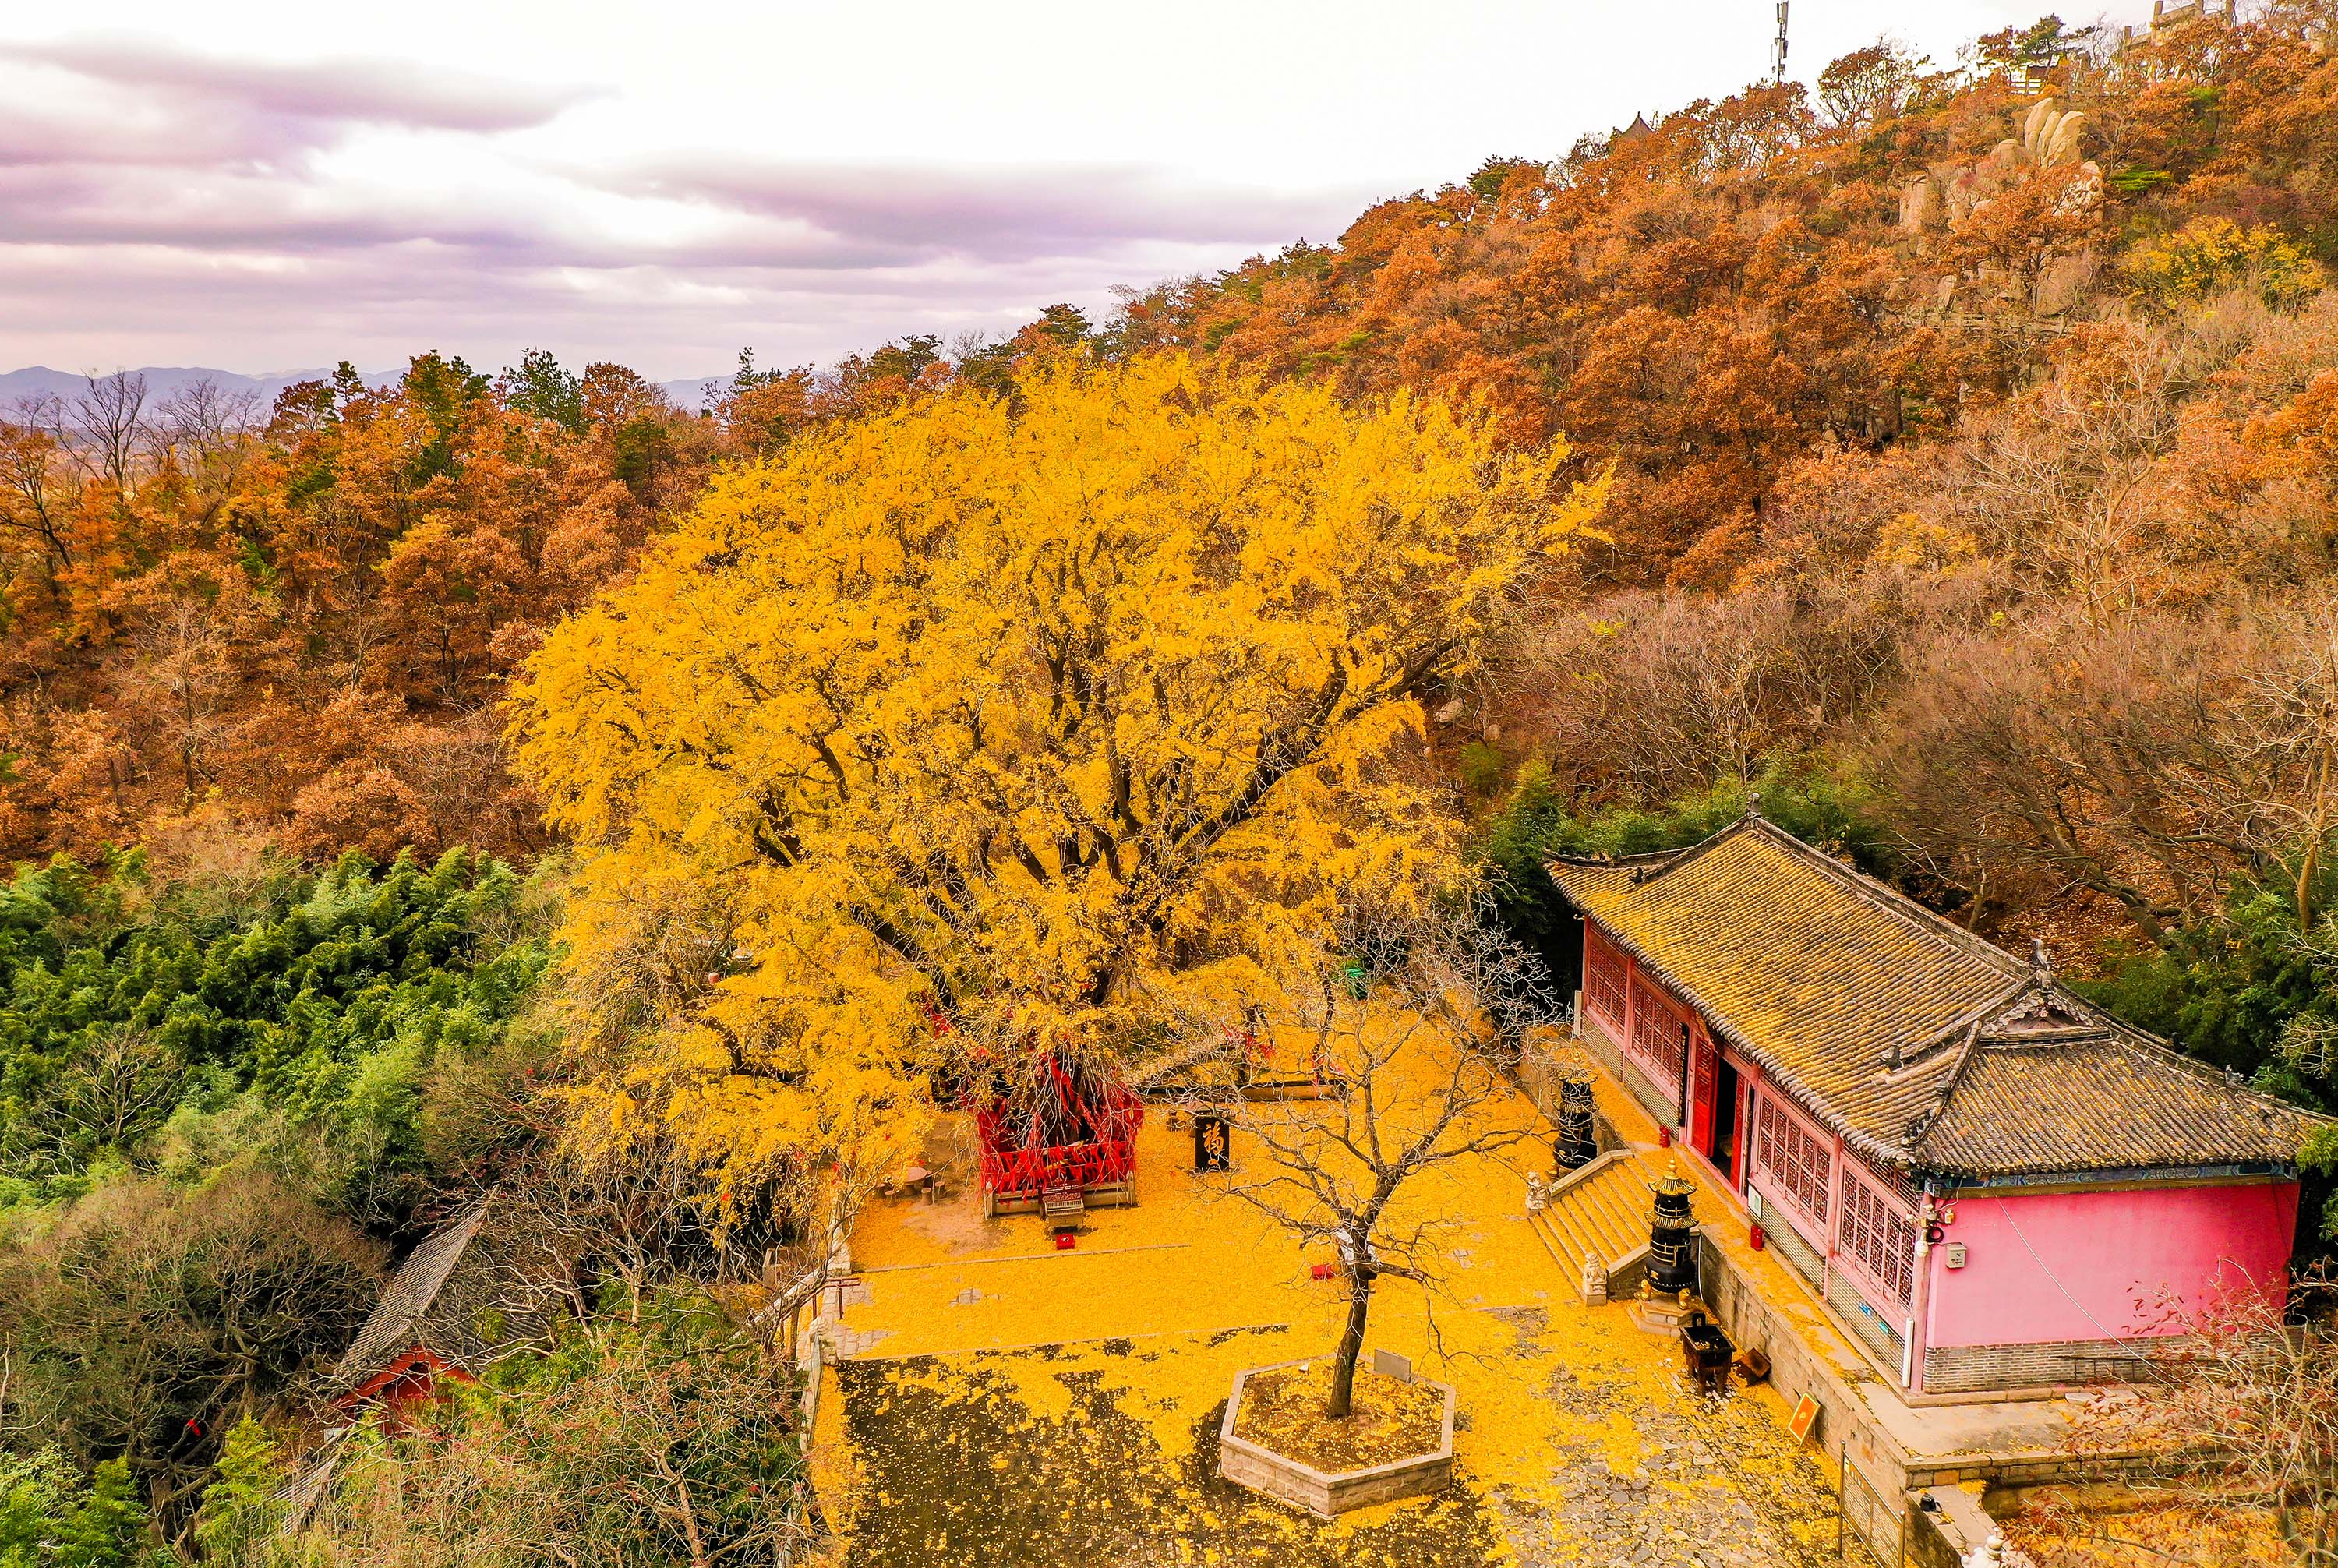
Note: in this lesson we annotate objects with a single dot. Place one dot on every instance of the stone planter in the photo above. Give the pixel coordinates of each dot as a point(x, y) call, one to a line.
point(1328, 1494)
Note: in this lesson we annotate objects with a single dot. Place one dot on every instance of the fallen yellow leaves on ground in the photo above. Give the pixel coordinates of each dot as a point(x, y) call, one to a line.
point(1027, 1406)
point(1284, 1412)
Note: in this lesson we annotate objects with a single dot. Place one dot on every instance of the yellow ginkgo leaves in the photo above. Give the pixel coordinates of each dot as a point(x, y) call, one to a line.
point(994, 725)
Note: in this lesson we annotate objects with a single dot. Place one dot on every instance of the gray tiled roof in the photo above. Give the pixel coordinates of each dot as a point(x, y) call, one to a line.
point(1927, 1047)
point(463, 1295)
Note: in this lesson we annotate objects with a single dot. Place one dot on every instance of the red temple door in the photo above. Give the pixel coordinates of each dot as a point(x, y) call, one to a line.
point(1704, 1073)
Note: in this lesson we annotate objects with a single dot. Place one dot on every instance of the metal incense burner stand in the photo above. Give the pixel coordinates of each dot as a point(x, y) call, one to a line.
point(1672, 1237)
point(1668, 1287)
point(1578, 1141)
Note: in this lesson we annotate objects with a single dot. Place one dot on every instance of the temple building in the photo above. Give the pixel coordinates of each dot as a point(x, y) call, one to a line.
point(470, 1294)
point(1995, 1184)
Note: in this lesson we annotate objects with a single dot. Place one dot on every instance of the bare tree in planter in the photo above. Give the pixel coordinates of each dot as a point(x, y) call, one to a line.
point(1410, 1023)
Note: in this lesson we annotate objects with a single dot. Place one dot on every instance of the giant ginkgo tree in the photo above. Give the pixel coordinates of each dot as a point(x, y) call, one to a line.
point(994, 728)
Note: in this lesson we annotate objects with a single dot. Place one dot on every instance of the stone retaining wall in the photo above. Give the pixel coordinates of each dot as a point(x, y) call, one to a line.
point(1246, 1464)
point(1949, 1525)
point(1796, 1371)
point(1538, 1075)
point(2032, 1467)
point(1848, 1430)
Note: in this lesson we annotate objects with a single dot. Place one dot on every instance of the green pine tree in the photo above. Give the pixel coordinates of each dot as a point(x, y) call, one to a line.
point(240, 1509)
point(109, 1529)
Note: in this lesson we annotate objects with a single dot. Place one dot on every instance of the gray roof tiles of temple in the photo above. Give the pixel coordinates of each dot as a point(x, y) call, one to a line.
point(1929, 1048)
point(463, 1295)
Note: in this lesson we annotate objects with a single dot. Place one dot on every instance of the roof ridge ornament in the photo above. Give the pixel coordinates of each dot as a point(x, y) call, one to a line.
point(2041, 968)
point(1753, 806)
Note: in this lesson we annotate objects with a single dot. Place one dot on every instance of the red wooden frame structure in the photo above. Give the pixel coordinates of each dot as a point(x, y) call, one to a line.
point(1072, 1129)
point(410, 1379)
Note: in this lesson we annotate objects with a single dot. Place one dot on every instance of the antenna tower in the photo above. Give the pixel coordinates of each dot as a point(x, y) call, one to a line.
point(1778, 50)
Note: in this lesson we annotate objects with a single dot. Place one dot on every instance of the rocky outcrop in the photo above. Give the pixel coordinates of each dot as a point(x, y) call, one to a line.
point(2051, 139)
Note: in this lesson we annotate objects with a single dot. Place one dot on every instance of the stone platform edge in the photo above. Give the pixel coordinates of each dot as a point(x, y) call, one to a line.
point(1329, 1494)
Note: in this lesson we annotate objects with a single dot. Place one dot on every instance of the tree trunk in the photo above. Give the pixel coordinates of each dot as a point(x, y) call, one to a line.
point(1352, 1345)
point(2317, 824)
point(2306, 868)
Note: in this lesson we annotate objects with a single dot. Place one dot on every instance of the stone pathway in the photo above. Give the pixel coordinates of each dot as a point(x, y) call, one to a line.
point(1693, 1503)
point(848, 1343)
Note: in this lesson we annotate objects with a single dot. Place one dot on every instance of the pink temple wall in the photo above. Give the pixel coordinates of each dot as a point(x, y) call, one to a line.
point(2056, 1266)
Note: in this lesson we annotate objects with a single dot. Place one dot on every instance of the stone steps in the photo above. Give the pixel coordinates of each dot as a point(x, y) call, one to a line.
point(1601, 1210)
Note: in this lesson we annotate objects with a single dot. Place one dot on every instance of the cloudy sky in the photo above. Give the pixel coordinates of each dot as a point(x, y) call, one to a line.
point(262, 186)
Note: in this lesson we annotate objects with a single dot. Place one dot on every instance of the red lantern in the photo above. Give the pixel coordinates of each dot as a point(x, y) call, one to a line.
point(1758, 1237)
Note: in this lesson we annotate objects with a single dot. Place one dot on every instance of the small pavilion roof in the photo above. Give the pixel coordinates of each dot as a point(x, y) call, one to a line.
point(452, 1298)
point(1927, 1047)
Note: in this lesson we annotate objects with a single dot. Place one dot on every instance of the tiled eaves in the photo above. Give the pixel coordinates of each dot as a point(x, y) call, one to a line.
point(1891, 1115)
point(1931, 923)
point(407, 1299)
point(1819, 1107)
point(1926, 922)
point(2038, 1109)
point(1895, 1095)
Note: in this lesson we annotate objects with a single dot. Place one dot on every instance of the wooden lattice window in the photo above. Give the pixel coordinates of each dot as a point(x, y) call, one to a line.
point(1879, 1238)
point(1603, 980)
point(1655, 1042)
point(1800, 1166)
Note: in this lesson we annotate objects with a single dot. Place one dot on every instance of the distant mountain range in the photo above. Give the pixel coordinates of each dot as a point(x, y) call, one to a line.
point(161, 380)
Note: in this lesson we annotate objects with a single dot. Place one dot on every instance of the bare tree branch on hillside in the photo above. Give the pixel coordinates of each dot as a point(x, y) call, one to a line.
point(207, 433)
point(2115, 761)
point(34, 494)
point(2241, 1402)
point(108, 427)
point(2288, 722)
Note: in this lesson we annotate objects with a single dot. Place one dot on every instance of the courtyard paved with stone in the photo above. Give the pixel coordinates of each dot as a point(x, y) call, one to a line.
point(1007, 1403)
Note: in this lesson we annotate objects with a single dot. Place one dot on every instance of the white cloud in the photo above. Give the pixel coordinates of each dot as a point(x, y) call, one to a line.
point(268, 184)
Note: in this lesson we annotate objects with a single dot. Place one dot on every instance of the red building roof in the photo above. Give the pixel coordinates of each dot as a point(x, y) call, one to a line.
point(463, 1297)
